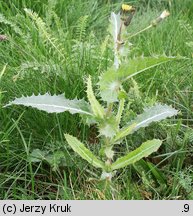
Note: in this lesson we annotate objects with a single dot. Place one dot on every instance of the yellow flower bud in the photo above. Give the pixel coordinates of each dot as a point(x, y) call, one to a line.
point(126, 7)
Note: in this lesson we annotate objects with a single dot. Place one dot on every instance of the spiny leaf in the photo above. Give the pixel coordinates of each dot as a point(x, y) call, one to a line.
point(112, 79)
point(144, 150)
point(109, 86)
point(122, 97)
point(53, 104)
point(153, 114)
point(84, 152)
point(95, 105)
point(109, 127)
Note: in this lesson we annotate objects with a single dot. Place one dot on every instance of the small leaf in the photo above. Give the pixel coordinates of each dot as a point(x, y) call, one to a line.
point(95, 105)
point(84, 152)
point(109, 127)
point(124, 132)
point(37, 156)
point(153, 114)
point(58, 158)
point(109, 85)
point(109, 152)
point(54, 159)
point(112, 79)
point(53, 104)
point(144, 150)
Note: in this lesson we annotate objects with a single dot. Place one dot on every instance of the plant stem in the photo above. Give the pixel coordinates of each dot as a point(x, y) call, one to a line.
point(141, 31)
point(108, 153)
point(109, 109)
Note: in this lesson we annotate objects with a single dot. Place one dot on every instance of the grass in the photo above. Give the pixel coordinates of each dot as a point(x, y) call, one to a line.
point(55, 54)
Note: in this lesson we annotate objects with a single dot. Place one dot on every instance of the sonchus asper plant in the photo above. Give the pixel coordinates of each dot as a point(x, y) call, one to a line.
point(107, 115)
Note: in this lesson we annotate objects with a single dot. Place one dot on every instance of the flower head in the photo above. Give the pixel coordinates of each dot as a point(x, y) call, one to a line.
point(126, 7)
point(164, 14)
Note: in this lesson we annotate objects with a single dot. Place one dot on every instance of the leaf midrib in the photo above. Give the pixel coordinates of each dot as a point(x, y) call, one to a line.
point(54, 106)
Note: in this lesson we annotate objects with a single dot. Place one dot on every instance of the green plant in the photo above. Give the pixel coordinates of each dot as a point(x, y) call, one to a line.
point(107, 114)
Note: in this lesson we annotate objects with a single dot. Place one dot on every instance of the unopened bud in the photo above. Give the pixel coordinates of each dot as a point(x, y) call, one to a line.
point(164, 14)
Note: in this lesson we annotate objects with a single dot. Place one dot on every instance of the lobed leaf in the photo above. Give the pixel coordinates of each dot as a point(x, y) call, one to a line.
point(112, 79)
point(144, 150)
point(84, 152)
point(53, 104)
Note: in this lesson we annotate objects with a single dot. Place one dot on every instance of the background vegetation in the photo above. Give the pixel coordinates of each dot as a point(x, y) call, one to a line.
point(54, 50)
